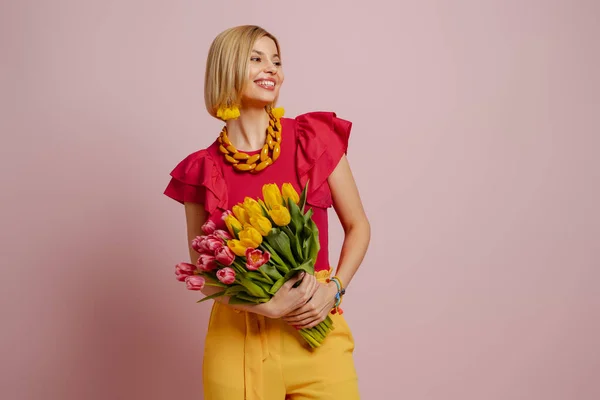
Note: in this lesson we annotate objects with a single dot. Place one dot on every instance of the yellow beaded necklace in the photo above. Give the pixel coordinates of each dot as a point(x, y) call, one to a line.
point(269, 153)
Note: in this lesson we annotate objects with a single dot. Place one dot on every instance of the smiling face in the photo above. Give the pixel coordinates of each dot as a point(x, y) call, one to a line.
point(265, 74)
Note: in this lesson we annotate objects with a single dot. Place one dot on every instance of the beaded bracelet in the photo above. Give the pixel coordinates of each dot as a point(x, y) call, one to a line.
point(338, 296)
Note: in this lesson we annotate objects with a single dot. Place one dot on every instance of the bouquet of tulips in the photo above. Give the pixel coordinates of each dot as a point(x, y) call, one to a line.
point(267, 242)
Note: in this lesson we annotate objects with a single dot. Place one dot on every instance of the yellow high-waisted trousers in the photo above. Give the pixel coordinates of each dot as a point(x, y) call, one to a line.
point(251, 357)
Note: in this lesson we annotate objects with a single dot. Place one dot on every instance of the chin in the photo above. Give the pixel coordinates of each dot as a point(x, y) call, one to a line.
point(259, 101)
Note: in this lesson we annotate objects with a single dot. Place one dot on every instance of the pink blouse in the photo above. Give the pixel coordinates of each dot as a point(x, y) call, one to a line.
point(311, 147)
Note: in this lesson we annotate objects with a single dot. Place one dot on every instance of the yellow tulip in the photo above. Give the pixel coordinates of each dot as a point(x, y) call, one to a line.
point(241, 214)
point(290, 193)
point(280, 215)
point(237, 247)
point(250, 237)
point(262, 203)
point(272, 195)
point(233, 223)
point(261, 224)
point(251, 206)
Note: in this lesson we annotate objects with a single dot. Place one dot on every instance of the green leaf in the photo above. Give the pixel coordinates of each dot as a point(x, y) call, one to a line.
point(265, 212)
point(282, 269)
point(274, 257)
point(258, 277)
point(297, 217)
point(308, 266)
point(308, 215)
point(215, 284)
point(303, 196)
point(294, 243)
point(277, 285)
point(281, 244)
point(266, 286)
point(233, 290)
point(212, 296)
point(253, 299)
point(239, 269)
point(236, 232)
point(252, 288)
point(271, 271)
point(314, 244)
point(307, 244)
point(237, 300)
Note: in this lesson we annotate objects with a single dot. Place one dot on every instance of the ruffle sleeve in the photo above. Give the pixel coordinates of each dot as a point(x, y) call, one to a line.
point(322, 141)
point(198, 179)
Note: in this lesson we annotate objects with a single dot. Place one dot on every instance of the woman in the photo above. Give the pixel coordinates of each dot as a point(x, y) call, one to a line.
point(253, 352)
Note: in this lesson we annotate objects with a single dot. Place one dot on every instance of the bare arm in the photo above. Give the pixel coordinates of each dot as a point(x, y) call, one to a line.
point(357, 230)
point(357, 235)
point(286, 298)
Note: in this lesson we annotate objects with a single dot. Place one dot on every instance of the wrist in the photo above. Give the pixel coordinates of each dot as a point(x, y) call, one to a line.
point(340, 291)
point(269, 309)
point(332, 289)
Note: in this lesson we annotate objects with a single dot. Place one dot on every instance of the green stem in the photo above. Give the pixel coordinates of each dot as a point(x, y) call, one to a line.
point(238, 267)
point(274, 256)
point(265, 275)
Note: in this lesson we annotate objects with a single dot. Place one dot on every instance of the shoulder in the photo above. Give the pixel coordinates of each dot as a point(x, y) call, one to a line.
point(322, 124)
point(203, 159)
point(322, 140)
point(323, 127)
point(198, 179)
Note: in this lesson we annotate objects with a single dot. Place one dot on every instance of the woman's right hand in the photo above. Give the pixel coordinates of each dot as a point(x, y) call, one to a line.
point(289, 298)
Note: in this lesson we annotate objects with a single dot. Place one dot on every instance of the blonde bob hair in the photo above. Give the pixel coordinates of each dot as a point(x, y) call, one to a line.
point(227, 66)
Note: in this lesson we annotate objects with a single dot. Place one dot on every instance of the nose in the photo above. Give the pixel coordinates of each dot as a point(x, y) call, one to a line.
point(271, 67)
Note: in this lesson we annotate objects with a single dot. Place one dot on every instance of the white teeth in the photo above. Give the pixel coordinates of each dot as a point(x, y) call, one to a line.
point(266, 83)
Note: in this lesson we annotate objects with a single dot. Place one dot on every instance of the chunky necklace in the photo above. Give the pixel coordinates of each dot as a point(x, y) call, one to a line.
point(268, 155)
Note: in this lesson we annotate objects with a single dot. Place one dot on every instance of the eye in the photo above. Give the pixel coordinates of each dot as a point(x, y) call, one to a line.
point(278, 63)
point(254, 58)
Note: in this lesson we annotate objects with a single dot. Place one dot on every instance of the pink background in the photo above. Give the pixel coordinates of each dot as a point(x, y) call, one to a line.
point(475, 146)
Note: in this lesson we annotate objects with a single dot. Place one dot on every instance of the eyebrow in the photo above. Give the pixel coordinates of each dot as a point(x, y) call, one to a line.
point(260, 53)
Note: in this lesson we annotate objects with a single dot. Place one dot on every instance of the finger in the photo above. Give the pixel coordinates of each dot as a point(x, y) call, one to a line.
point(308, 309)
point(314, 285)
point(312, 322)
point(307, 281)
point(302, 319)
point(304, 293)
point(301, 308)
point(298, 316)
point(292, 281)
point(307, 323)
point(303, 324)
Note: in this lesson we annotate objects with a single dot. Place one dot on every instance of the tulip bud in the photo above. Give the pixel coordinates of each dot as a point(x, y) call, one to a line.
point(195, 282)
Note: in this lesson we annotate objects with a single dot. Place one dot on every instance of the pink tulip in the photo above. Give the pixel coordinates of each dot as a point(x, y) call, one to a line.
point(197, 243)
point(195, 282)
point(223, 235)
point(207, 263)
point(225, 214)
point(226, 275)
point(256, 258)
point(209, 227)
point(183, 270)
point(225, 256)
point(212, 243)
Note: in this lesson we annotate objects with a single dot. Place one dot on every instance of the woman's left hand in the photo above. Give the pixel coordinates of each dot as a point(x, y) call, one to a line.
point(315, 310)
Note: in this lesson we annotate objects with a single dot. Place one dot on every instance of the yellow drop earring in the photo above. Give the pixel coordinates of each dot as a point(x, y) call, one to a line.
point(228, 112)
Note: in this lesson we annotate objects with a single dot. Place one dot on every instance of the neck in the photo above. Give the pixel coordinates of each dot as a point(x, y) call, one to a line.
point(248, 132)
